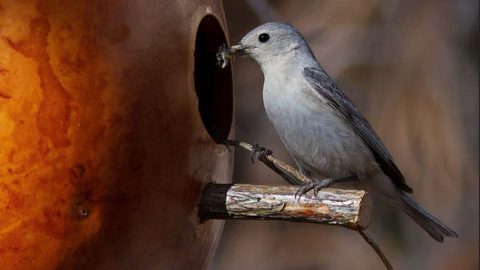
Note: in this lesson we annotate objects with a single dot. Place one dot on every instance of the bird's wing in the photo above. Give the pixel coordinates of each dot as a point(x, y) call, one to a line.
point(327, 88)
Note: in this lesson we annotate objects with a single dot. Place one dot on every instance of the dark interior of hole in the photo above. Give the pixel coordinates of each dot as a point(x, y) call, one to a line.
point(212, 83)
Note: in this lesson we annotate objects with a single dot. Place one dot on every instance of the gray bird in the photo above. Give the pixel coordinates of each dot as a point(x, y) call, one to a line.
point(327, 136)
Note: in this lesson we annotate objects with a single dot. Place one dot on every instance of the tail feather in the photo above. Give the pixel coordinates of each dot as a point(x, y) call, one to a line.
point(434, 227)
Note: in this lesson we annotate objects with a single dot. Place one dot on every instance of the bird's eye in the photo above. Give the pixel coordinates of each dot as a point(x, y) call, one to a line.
point(264, 37)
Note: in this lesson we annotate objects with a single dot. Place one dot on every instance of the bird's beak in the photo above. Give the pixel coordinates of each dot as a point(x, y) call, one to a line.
point(240, 50)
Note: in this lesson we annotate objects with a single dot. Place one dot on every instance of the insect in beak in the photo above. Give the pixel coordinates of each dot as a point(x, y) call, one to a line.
point(224, 55)
point(240, 50)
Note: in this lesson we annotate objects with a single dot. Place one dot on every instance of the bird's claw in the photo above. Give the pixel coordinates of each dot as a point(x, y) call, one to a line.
point(322, 184)
point(316, 185)
point(260, 153)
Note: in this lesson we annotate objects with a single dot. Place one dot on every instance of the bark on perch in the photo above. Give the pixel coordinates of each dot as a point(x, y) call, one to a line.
point(348, 208)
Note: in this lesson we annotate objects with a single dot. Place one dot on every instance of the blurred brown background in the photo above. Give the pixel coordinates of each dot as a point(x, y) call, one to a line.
point(412, 68)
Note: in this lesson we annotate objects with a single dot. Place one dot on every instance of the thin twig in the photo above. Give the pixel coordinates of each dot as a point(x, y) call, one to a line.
point(375, 247)
point(278, 163)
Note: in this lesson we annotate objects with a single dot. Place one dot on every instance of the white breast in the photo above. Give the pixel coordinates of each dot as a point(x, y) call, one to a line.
point(317, 138)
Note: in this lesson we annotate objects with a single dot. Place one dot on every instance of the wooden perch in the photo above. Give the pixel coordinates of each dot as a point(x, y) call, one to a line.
point(348, 208)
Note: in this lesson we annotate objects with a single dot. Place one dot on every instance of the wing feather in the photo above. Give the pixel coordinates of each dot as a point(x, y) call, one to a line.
point(327, 88)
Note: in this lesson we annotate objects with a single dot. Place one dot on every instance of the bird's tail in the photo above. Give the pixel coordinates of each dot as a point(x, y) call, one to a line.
point(434, 227)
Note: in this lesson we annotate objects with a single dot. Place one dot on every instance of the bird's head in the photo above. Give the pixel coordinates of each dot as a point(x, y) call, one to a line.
point(270, 42)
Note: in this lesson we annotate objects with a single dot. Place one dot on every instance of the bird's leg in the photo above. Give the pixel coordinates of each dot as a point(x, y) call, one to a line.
point(317, 185)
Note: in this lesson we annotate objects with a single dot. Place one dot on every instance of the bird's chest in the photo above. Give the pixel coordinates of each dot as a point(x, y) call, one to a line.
point(305, 124)
point(309, 128)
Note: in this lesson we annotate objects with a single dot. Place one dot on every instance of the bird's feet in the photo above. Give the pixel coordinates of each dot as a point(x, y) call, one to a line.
point(317, 185)
point(260, 153)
